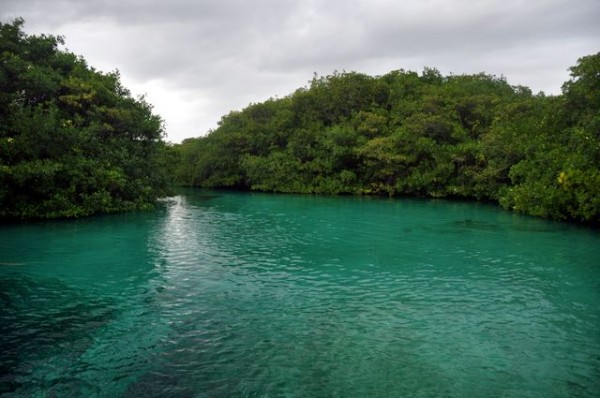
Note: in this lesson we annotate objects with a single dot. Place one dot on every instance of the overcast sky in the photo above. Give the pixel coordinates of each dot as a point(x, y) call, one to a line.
point(197, 60)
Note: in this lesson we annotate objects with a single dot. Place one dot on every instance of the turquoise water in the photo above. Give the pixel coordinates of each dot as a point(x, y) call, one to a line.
point(251, 295)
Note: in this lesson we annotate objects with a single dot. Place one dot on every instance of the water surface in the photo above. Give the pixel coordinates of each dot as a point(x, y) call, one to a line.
point(235, 295)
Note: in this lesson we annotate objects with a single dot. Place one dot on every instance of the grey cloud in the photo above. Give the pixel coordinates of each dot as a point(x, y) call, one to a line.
point(228, 53)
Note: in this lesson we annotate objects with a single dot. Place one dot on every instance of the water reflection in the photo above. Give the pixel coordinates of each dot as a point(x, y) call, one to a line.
point(249, 294)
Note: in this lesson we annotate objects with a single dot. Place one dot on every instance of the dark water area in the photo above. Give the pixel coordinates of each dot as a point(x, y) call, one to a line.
point(252, 295)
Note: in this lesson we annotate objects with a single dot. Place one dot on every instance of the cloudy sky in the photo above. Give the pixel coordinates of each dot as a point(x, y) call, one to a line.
point(196, 60)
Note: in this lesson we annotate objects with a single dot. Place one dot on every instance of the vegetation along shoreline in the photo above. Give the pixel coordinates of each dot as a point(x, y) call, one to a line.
point(74, 142)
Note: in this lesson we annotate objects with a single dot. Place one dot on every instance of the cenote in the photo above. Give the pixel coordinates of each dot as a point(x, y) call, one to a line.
point(233, 295)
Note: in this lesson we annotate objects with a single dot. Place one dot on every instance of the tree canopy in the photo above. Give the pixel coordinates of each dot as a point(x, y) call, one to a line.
point(73, 141)
point(404, 133)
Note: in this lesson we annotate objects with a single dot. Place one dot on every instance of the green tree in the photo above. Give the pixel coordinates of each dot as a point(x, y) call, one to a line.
point(73, 142)
point(467, 136)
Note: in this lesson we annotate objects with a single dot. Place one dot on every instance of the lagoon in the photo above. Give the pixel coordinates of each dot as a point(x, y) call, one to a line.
point(221, 294)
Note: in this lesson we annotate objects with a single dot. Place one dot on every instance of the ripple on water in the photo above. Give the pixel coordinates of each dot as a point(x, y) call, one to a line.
point(255, 295)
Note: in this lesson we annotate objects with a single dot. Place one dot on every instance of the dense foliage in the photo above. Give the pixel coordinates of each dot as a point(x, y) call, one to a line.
point(471, 136)
point(73, 141)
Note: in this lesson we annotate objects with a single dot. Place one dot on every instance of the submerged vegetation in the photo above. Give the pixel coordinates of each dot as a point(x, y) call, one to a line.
point(74, 142)
point(403, 133)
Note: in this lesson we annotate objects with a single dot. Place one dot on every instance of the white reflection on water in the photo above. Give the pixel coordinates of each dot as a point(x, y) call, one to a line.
point(241, 295)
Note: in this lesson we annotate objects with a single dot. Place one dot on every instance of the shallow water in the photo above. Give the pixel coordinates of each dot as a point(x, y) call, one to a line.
point(227, 294)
